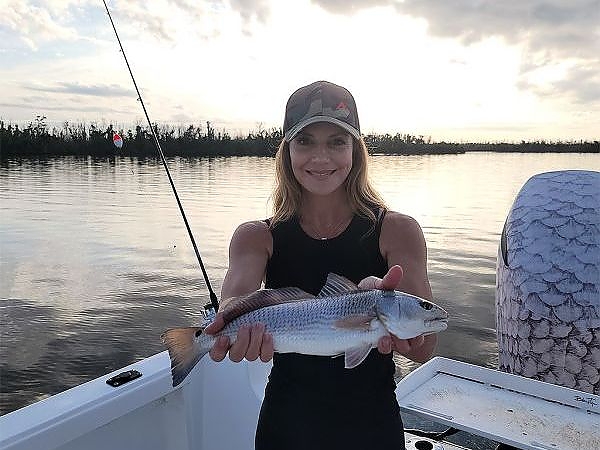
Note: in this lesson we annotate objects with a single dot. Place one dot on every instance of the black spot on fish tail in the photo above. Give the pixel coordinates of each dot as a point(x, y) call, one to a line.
point(184, 351)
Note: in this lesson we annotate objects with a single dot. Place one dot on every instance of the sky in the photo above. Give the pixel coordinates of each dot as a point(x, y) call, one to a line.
point(451, 70)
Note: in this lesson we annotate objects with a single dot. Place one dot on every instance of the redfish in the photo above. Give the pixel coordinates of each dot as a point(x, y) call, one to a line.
point(341, 320)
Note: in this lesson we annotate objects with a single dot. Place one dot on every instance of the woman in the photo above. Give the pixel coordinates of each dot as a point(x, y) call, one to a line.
point(327, 218)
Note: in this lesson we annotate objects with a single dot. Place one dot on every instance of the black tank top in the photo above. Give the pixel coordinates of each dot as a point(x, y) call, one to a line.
point(316, 392)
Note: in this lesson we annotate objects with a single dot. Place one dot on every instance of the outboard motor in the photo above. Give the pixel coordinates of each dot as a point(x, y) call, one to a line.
point(548, 281)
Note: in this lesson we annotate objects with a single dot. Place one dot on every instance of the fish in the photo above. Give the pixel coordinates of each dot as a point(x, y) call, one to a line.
point(548, 281)
point(341, 320)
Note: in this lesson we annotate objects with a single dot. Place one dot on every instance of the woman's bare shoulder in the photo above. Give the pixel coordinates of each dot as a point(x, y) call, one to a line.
point(253, 228)
point(401, 237)
point(253, 234)
point(398, 222)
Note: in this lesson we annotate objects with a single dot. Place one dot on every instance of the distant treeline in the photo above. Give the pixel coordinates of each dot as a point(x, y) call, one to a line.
point(38, 139)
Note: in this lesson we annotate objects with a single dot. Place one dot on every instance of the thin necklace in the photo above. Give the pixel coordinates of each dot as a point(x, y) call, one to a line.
point(329, 231)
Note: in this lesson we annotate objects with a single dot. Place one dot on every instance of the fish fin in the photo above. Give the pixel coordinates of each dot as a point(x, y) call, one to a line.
point(355, 322)
point(354, 356)
point(337, 284)
point(184, 350)
point(238, 306)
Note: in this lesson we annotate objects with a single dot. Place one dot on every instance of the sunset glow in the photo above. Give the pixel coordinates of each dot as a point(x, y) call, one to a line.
point(510, 71)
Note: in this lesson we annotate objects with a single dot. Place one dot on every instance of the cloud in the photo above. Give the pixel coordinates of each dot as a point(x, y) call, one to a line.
point(164, 19)
point(99, 90)
point(350, 6)
point(568, 27)
point(42, 105)
point(190, 7)
point(582, 83)
point(34, 24)
point(546, 30)
point(109, 99)
point(154, 21)
point(249, 10)
point(562, 28)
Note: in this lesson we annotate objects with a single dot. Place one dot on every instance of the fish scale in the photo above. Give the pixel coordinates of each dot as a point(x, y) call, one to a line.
point(293, 326)
point(548, 281)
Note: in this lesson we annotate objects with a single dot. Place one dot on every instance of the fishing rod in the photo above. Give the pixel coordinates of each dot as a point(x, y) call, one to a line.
point(213, 297)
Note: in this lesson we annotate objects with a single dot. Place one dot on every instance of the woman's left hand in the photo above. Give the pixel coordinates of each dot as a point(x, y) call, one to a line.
point(389, 343)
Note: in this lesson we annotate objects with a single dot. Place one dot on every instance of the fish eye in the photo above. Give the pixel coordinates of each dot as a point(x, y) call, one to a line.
point(426, 305)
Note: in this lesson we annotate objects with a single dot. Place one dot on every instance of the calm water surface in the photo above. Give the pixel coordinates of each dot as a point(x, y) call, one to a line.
point(95, 261)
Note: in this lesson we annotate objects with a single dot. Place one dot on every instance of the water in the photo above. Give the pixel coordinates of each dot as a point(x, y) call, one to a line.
point(95, 261)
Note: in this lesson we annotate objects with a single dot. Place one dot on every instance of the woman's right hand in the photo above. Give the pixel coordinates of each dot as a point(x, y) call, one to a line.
point(251, 342)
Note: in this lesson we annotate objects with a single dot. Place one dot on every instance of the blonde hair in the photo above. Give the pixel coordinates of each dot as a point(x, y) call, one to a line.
point(287, 194)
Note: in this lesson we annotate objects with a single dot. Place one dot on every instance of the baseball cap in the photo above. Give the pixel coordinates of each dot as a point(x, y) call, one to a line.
point(320, 101)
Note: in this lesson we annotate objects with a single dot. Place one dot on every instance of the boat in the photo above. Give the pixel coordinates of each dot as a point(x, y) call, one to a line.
point(217, 405)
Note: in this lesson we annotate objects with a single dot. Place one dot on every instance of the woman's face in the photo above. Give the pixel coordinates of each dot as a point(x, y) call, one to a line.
point(321, 156)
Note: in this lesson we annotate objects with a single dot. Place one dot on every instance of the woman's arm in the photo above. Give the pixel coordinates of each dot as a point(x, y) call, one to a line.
point(402, 244)
point(249, 250)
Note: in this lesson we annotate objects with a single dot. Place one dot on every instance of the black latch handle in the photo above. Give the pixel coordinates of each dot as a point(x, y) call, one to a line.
point(123, 377)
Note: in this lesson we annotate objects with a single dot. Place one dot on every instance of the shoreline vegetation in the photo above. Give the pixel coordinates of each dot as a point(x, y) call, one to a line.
point(39, 140)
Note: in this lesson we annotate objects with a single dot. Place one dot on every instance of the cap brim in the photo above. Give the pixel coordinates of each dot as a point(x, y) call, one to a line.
point(293, 132)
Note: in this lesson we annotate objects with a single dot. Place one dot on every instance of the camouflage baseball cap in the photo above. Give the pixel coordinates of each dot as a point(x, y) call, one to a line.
point(320, 101)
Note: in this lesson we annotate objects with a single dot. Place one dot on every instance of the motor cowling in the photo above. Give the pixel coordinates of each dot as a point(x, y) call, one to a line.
point(548, 281)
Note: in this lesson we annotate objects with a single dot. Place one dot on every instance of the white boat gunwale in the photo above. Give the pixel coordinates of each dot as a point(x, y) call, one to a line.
point(89, 405)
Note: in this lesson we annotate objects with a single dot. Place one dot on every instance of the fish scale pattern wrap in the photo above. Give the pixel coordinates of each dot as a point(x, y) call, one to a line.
point(548, 281)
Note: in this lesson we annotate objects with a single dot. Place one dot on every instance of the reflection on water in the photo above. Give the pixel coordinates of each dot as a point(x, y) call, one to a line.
point(96, 263)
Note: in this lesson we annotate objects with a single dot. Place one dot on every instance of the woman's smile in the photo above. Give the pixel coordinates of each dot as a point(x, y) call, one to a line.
point(321, 173)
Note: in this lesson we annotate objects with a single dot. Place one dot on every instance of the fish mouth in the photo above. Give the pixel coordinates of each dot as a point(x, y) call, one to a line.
point(436, 324)
point(440, 315)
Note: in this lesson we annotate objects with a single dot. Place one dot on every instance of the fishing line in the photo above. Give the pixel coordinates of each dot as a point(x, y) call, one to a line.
point(213, 297)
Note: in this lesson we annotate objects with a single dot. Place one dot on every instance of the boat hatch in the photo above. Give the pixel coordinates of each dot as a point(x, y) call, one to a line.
point(526, 413)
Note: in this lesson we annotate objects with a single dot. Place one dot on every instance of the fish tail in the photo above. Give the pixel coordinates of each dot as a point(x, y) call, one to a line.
point(185, 350)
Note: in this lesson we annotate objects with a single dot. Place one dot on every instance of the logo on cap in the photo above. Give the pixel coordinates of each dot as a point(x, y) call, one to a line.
point(341, 110)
